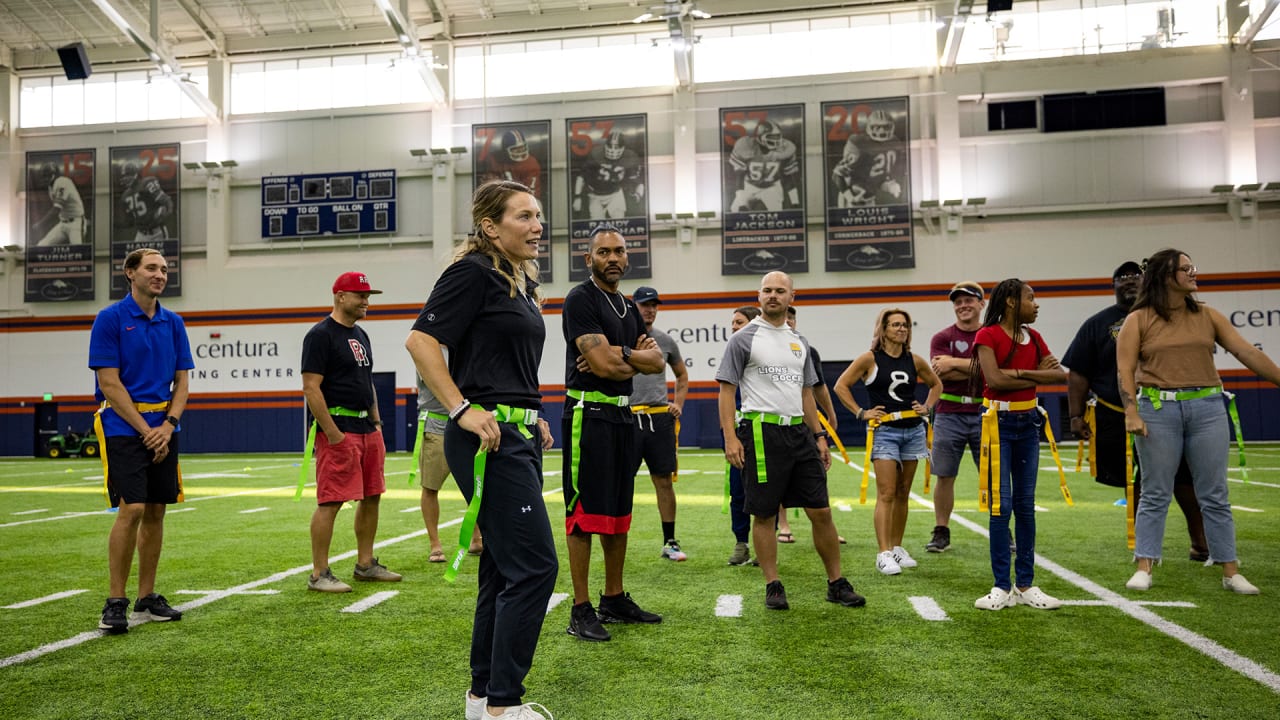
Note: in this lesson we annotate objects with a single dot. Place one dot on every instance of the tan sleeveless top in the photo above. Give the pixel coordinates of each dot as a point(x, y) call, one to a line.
point(1177, 353)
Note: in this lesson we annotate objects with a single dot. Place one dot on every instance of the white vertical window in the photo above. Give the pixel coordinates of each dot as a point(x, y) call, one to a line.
point(68, 102)
point(100, 99)
point(248, 88)
point(131, 96)
point(35, 102)
point(282, 85)
point(315, 83)
point(348, 81)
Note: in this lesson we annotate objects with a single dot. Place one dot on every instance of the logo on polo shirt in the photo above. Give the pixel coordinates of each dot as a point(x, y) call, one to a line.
point(797, 350)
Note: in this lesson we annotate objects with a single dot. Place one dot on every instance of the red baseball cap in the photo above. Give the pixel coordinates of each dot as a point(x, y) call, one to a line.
point(353, 282)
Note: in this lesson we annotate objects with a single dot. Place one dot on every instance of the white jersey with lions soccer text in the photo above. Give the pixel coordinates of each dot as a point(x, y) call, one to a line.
point(770, 365)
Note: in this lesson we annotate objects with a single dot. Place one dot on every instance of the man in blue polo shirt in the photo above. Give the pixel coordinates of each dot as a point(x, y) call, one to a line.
point(141, 357)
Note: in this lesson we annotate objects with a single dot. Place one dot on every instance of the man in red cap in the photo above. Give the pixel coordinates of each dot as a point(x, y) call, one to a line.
point(337, 382)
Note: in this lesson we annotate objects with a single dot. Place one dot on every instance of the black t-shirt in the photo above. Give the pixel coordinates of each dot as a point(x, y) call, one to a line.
point(495, 340)
point(588, 310)
point(344, 357)
point(1093, 352)
point(894, 386)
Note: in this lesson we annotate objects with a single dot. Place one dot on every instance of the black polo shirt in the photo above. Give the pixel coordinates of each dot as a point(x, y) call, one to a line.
point(495, 340)
point(588, 310)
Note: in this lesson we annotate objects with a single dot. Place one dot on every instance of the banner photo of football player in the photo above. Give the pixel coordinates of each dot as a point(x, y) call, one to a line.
point(520, 152)
point(608, 178)
point(762, 173)
point(866, 146)
point(59, 253)
point(144, 210)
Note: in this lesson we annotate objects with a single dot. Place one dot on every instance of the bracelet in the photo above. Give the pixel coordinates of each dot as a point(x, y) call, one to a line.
point(377, 423)
point(819, 435)
point(859, 415)
point(455, 413)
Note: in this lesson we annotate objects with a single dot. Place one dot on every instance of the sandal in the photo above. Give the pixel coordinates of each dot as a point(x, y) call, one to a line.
point(842, 540)
point(436, 556)
point(785, 538)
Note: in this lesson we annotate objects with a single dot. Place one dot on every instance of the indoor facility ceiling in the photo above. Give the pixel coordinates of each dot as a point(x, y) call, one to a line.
point(31, 30)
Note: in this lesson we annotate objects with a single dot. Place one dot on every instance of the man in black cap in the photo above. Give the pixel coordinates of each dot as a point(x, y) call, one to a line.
point(657, 418)
point(1092, 363)
point(957, 421)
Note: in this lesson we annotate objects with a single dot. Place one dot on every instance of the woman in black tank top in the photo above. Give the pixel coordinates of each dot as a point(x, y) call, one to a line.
point(890, 372)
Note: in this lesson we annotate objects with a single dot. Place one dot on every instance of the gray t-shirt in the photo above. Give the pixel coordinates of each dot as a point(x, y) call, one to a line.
point(428, 403)
point(770, 365)
point(652, 389)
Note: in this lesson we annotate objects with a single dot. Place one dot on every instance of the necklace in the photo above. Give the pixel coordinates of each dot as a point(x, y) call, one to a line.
point(609, 299)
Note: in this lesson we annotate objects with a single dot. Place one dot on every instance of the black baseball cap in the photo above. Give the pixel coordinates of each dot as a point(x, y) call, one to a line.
point(1128, 266)
point(644, 294)
point(966, 287)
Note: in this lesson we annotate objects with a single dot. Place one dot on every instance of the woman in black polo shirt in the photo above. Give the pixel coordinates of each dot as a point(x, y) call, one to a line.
point(485, 309)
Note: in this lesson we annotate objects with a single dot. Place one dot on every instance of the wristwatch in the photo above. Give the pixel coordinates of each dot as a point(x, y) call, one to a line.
point(172, 420)
point(626, 354)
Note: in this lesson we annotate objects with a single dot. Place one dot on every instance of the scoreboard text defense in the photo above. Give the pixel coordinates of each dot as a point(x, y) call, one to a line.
point(350, 203)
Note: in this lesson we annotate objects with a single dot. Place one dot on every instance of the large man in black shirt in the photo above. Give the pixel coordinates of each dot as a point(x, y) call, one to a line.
point(605, 347)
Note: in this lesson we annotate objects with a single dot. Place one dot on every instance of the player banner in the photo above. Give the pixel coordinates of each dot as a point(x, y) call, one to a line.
point(144, 210)
point(608, 178)
point(520, 152)
point(59, 254)
point(762, 172)
point(867, 166)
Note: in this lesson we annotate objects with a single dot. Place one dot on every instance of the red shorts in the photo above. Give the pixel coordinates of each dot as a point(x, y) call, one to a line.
point(350, 470)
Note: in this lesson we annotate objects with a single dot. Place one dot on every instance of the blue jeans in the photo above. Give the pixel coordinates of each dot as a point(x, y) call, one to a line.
point(1196, 430)
point(1019, 464)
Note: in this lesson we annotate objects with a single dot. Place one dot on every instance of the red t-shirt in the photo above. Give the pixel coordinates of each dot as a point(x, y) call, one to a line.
point(1026, 357)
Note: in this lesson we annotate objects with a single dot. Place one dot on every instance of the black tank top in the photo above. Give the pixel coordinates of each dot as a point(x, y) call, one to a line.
point(893, 385)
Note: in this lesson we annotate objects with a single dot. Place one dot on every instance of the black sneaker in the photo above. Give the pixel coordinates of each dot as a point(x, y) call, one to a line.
point(622, 609)
point(114, 619)
point(156, 608)
point(941, 539)
point(775, 596)
point(584, 624)
point(840, 591)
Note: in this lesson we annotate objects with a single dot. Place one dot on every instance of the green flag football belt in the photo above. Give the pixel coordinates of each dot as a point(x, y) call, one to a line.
point(575, 434)
point(758, 420)
point(522, 418)
point(962, 399)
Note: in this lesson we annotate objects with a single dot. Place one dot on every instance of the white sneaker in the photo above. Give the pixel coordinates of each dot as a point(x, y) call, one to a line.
point(475, 707)
point(523, 712)
point(1036, 598)
point(997, 599)
point(903, 558)
point(1141, 580)
point(886, 564)
point(1237, 584)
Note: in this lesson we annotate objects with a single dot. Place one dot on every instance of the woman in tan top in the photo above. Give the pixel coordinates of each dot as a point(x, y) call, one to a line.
point(1173, 404)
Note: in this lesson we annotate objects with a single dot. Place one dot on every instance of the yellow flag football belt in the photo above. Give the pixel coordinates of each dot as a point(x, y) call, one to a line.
point(989, 462)
point(874, 423)
point(102, 444)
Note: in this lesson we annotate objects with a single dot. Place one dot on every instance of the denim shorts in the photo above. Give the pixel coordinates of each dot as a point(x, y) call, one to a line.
point(900, 444)
point(952, 433)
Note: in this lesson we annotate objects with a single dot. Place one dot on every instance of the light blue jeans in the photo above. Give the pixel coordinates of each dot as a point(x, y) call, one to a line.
point(1197, 430)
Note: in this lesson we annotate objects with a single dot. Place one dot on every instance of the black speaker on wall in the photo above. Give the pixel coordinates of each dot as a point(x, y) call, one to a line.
point(999, 5)
point(75, 61)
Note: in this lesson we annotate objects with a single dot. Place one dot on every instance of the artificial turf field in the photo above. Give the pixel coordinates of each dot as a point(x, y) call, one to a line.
point(254, 643)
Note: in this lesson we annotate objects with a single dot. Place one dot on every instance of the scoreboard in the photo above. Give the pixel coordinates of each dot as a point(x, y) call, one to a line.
point(345, 203)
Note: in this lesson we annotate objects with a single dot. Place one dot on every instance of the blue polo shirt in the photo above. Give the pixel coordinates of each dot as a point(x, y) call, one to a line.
point(147, 351)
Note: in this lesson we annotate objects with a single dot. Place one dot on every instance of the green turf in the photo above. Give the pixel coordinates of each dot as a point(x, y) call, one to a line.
point(293, 654)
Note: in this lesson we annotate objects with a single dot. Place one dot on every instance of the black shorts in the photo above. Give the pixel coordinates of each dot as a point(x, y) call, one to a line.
point(600, 501)
point(1109, 446)
point(794, 470)
point(133, 478)
point(656, 442)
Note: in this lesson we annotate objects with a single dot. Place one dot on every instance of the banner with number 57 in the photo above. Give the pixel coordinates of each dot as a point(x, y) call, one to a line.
point(144, 210)
point(762, 198)
point(867, 164)
point(608, 183)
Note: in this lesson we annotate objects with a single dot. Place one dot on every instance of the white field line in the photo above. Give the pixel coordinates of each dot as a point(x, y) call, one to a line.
point(31, 512)
point(45, 599)
point(170, 512)
point(1230, 659)
point(375, 599)
point(1147, 603)
point(210, 592)
point(928, 608)
point(51, 487)
point(254, 510)
point(412, 508)
point(221, 594)
point(1245, 509)
point(554, 601)
point(729, 606)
